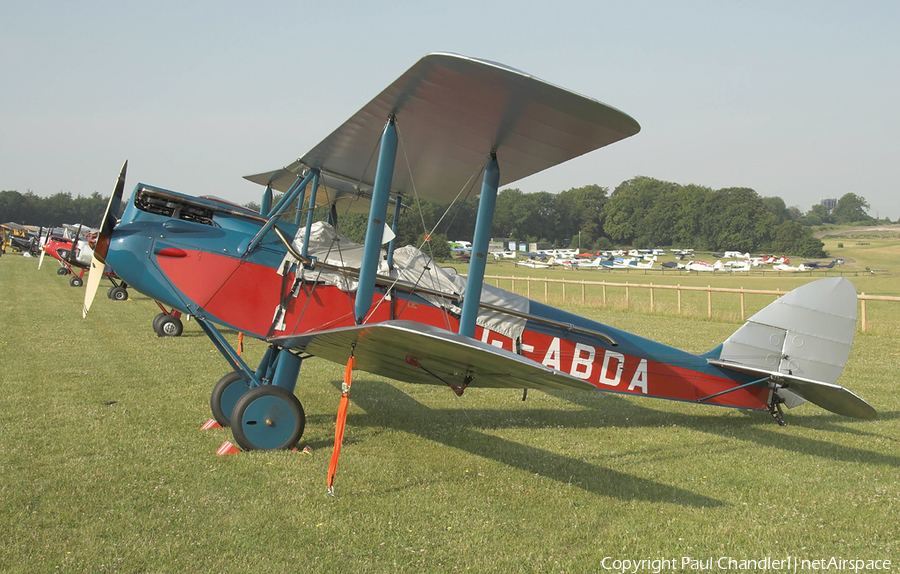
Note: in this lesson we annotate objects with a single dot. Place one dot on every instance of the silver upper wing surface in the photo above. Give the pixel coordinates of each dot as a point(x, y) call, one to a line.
point(451, 112)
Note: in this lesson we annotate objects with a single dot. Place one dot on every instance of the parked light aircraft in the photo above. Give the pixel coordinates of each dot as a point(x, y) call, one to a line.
point(703, 266)
point(74, 256)
point(536, 264)
point(819, 265)
point(445, 125)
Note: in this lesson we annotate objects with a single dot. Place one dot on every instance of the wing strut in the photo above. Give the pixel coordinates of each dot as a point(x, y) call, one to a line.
point(274, 213)
point(310, 213)
point(381, 192)
point(341, 420)
point(482, 237)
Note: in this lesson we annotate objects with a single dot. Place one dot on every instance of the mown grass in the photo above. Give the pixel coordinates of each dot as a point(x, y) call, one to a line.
point(103, 466)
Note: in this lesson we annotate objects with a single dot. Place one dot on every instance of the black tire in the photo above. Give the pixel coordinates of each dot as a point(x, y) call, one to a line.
point(268, 418)
point(225, 395)
point(109, 292)
point(118, 294)
point(155, 322)
point(169, 326)
point(76, 281)
point(62, 271)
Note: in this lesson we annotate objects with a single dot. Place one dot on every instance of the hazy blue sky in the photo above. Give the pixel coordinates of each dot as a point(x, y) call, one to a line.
point(796, 99)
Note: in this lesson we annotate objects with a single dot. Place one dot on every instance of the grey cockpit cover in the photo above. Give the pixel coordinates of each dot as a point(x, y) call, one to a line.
point(411, 266)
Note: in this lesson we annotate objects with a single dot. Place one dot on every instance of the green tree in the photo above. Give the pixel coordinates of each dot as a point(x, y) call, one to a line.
point(852, 208)
point(640, 207)
point(579, 209)
point(817, 215)
point(775, 205)
point(794, 239)
point(736, 218)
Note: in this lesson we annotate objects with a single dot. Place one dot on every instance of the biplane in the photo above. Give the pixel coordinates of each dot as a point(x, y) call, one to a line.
point(22, 238)
point(74, 257)
point(448, 124)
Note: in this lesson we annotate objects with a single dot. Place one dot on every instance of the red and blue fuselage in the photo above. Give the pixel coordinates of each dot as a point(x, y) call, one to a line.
point(191, 253)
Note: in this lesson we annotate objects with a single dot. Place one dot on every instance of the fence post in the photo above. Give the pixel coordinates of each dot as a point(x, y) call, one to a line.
point(528, 287)
point(742, 303)
point(546, 290)
point(513, 285)
point(679, 298)
point(583, 299)
point(627, 295)
point(709, 301)
point(863, 302)
point(564, 291)
point(604, 293)
point(651, 297)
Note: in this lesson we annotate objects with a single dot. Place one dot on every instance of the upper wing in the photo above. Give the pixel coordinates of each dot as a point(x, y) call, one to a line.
point(418, 353)
point(452, 111)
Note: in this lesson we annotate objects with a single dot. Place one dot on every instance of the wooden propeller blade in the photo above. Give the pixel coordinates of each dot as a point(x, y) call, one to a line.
point(98, 259)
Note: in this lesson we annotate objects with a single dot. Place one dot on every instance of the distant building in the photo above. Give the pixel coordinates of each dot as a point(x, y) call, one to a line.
point(497, 244)
point(829, 204)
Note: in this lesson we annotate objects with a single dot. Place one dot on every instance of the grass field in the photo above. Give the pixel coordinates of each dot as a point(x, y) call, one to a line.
point(103, 467)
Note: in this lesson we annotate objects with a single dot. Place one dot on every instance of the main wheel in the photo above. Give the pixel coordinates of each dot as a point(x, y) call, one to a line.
point(169, 326)
point(109, 292)
point(118, 294)
point(268, 418)
point(62, 271)
point(76, 282)
point(225, 395)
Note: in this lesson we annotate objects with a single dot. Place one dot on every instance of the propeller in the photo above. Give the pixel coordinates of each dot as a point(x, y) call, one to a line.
point(41, 245)
point(73, 258)
point(98, 259)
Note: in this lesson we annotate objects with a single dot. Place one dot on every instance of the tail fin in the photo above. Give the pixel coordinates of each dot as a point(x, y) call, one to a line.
point(801, 342)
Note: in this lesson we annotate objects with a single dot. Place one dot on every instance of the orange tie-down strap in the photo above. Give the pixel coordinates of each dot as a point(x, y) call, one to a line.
point(341, 420)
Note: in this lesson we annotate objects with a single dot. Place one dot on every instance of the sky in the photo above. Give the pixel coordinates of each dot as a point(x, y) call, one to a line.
point(799, 99)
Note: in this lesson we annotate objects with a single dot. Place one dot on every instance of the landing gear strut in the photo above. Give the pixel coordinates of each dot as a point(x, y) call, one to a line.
point(260, 405)
point(776, 412)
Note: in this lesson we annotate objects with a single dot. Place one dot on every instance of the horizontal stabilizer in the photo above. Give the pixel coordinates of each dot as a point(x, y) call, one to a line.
point(418, 353)
point(829, 396)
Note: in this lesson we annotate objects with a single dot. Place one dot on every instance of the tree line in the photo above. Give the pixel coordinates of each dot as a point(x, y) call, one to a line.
point(642, 212)
point(53, 211)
